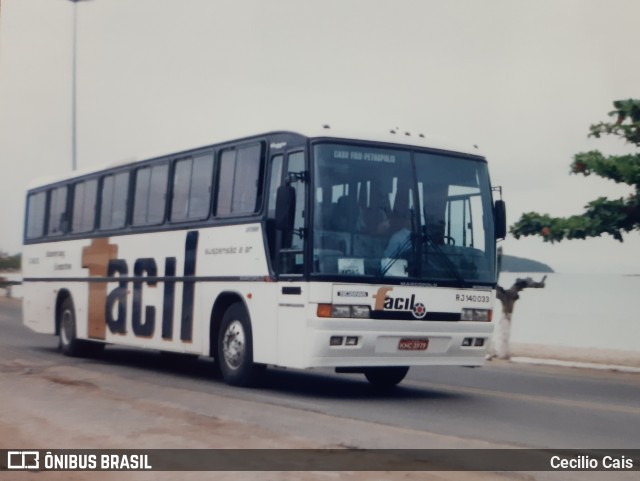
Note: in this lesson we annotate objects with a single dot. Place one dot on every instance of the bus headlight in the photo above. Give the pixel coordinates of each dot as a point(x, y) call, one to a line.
point(480, 315)
point(341, 310)
point(362, 312)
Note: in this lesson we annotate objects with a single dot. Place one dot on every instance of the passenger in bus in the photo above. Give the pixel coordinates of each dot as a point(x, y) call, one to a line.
point(347, 215)
point(377, 221)
point(376, 209)
point(401, 228)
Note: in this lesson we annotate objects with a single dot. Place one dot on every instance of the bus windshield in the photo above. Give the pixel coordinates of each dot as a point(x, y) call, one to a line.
point(402, 213)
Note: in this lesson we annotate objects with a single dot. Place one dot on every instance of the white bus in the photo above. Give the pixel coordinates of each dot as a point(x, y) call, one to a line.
point(366, 254)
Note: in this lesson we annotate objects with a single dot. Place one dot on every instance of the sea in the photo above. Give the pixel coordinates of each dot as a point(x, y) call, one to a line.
point(600, 311)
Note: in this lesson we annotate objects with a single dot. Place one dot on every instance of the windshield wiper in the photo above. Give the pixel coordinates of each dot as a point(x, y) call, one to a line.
point(402, 248)
point(447, 261)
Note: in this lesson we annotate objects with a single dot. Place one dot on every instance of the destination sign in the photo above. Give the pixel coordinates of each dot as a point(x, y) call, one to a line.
point(344, 154)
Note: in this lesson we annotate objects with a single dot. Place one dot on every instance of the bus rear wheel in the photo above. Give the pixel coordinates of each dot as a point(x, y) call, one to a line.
point(69, 343)
point(235, 348)
point(385, 377)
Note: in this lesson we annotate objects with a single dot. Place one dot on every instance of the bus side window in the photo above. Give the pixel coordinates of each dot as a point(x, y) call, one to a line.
point(36, 205)
point(192, 181)
point(275, 180)
point(84, 206)
point(239, 181)
point(150, 195)
point(115, 190)
point(58, 223)
point(201, 181)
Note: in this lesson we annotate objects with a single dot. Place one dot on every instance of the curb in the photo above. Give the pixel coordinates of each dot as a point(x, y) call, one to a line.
point(582, 365)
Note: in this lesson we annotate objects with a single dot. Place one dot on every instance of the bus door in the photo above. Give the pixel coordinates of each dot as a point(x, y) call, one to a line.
point(293, 293)
point(288, 251)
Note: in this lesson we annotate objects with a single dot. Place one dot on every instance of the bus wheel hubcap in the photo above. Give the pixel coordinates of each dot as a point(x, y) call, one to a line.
point(233, 345)
point(66, 327)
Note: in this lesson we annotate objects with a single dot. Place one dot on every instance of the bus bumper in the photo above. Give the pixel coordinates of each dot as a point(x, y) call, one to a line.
point(364, 343)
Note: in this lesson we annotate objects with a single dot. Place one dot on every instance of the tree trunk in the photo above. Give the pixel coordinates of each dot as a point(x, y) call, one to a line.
point(500, 343)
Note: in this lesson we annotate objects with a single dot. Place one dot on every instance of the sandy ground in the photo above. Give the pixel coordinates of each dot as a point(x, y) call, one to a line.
point(46, 405)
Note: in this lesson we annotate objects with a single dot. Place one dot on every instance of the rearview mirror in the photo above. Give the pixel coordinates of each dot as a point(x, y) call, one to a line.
point(285, 208)
point(500, 215)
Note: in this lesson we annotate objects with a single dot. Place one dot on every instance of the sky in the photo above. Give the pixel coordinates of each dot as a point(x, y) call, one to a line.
point(522, 79)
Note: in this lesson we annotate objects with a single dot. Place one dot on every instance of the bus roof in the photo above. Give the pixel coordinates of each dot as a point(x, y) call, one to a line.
point(389, 136)
point(394, 135)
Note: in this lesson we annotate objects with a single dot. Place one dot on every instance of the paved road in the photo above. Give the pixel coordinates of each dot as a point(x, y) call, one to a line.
point(503, 404)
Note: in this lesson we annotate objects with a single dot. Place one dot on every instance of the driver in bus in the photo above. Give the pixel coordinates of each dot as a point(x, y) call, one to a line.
point(401, 228)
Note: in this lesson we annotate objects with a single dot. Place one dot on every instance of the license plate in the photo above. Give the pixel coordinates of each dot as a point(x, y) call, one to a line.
point(413, 344)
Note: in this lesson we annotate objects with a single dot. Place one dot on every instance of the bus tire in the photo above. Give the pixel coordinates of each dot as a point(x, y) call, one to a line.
point(235, 348)
point(69, 344)
point(385, 377)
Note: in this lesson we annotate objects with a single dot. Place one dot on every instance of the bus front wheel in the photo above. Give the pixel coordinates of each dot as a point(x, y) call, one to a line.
point(69, 343)
point(235, 348)
point(385, 377)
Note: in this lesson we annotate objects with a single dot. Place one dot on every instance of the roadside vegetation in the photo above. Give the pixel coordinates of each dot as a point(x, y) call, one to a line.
point(10, 263)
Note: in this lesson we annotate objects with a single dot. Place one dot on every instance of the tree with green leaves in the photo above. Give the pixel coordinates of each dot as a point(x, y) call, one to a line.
point(603, 215)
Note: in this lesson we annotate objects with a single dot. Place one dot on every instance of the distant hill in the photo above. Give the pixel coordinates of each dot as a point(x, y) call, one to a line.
point(520, 264)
